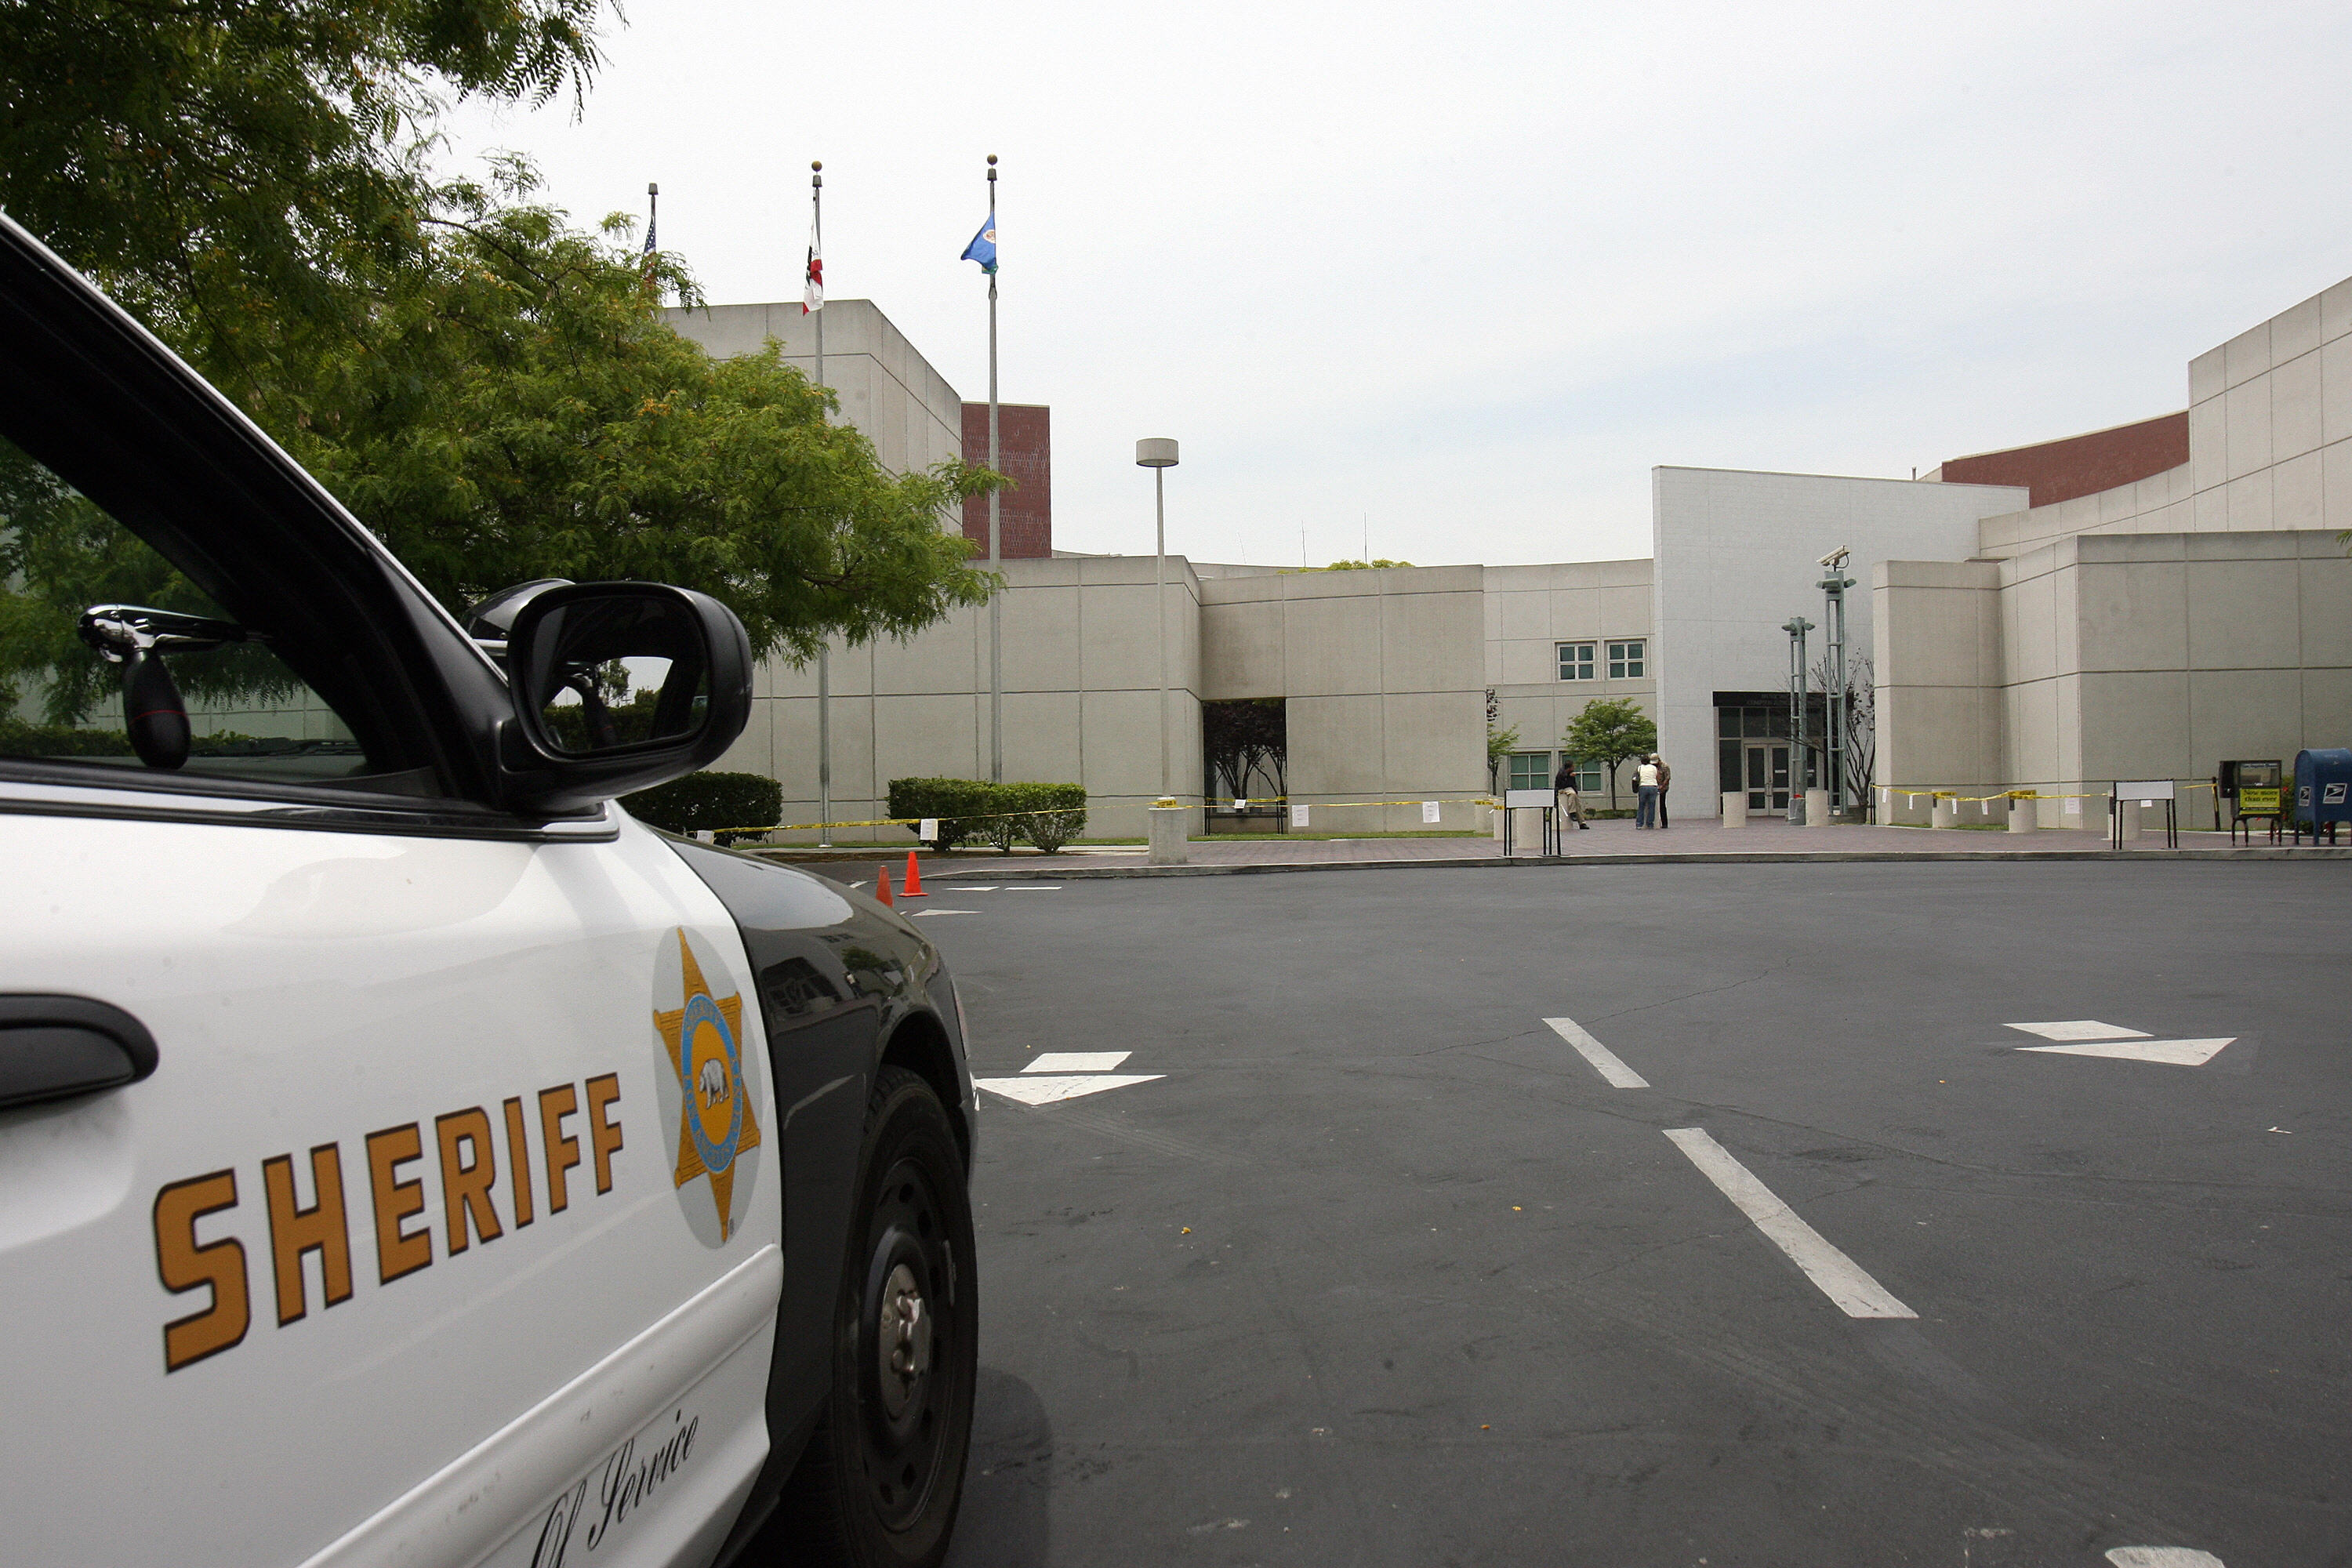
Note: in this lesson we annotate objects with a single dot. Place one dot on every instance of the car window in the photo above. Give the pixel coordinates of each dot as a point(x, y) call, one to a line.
point(65, 672)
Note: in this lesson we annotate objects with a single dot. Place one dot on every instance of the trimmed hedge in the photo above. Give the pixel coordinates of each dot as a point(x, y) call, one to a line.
point(700, 802)
point(1061, 811)
point(955, 802)
point(973, 808)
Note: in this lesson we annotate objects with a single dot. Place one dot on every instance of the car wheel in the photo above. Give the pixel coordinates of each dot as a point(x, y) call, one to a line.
point(880, 1482)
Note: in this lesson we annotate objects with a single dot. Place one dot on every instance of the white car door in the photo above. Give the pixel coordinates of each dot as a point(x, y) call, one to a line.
point(384, 1176)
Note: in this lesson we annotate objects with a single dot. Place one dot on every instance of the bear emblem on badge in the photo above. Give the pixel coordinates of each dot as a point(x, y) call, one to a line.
point(704, 1094)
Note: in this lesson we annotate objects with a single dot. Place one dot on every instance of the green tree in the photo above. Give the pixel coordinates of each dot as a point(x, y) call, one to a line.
point(519, 409)
point(1500, 743)
point(220, 166)
point(1364, 565)
point(493, 392)
point(1608, 731)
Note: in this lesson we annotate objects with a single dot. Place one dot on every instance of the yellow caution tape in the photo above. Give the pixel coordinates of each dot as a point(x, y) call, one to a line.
point(1056, 810)
point(1934, 794)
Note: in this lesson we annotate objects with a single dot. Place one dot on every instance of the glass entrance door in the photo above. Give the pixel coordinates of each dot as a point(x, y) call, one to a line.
point(1768, 777)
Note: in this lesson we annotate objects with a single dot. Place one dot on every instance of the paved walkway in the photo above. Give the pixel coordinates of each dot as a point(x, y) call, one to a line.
point(1616, 840)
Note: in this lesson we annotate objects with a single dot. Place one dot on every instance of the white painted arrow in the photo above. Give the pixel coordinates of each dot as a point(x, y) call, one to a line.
point(2081, 1029)
point(2173, 1053)
point(1044, 1088)
point(1077, 1061)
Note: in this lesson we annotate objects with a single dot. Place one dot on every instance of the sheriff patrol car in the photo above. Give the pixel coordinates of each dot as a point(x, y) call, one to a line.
point(404, 1155)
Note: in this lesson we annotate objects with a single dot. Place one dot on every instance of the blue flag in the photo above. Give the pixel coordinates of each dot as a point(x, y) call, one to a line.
point(983, 247)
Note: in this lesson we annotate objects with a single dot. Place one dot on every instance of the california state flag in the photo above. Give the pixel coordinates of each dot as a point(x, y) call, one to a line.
point(813, 289)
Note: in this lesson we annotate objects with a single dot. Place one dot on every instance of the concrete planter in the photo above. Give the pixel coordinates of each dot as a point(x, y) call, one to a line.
point(1735, 808)
point(1169, 824)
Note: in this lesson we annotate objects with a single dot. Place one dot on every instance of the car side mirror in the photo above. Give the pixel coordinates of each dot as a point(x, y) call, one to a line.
point(619, 687)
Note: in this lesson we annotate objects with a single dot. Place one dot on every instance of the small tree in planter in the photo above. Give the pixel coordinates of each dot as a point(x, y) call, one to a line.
point(1609, 731)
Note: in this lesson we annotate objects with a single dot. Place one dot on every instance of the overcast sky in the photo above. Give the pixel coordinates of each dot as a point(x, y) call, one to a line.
point(1469, 272)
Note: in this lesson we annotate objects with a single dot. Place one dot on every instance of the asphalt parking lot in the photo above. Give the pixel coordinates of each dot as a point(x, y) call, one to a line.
point(1371, 1264)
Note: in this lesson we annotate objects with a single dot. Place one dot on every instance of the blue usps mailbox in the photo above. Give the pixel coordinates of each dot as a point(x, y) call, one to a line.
point(2323, 791)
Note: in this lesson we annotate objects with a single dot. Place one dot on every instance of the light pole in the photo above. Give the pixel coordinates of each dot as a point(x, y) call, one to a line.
point(1834, 583)
point(1796, 627)
point(1159, 454)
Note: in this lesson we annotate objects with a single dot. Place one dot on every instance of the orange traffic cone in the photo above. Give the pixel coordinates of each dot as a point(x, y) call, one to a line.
point(913, 886)
point(882, 885)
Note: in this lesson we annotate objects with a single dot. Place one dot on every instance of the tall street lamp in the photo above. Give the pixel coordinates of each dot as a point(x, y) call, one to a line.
point(1796, 627)
point(1158, 454)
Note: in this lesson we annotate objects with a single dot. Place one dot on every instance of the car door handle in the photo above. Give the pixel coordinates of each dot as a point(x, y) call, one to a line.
point(52, 1047)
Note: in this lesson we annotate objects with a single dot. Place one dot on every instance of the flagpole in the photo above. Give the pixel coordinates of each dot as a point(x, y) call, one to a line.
point(995, 542)
point(824, 649)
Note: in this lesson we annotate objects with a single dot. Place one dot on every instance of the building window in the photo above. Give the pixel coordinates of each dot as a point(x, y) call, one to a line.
point(1576, 660)
point(1591, 778)
point(1531, 770)
point(1626, 659)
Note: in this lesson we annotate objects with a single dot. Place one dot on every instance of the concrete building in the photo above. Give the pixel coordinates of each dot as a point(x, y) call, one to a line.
point(2138, 603)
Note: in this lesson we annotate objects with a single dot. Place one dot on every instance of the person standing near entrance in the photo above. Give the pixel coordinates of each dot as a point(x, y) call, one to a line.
point(1566, 802)
point(1665, 782)
point(1645, 794)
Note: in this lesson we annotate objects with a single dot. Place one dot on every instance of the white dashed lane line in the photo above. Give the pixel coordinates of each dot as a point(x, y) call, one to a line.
point(1605, 1060)
point(1841, 1278)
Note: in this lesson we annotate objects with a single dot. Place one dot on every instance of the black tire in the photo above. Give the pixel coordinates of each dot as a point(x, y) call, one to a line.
point(883, 1477)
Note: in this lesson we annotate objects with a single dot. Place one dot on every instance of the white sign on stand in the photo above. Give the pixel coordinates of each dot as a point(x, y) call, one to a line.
point(2148, 792)
point(1526, 799)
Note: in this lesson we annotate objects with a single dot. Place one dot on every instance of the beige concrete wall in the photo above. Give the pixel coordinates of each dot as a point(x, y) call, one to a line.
point(1737, 557)
point(1081, 698)
point(888, 390)
point(2159, 655)
point(1531, 610)
point(1936, 643)
point(1383, 671)
point(2270, 443)
point(2113, 655)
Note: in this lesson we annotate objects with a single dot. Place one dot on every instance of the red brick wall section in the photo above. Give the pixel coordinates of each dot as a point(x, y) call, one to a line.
point(2077, 465)
point(1024, 445)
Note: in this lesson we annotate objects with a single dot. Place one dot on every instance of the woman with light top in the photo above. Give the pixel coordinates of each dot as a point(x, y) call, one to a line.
point(1645, 787)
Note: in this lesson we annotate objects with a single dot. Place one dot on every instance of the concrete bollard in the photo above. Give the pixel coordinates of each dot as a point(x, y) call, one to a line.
point(1496, 820)
point(1946, 813)
point(1526, 830)
point(2024, 816)
point(2129, 810)
point(1735, 808)
point(1817, 808)
point(1169, 824)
